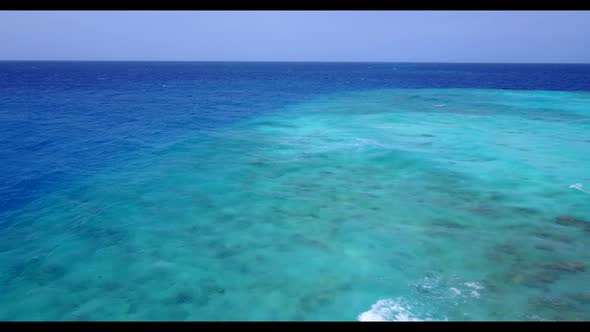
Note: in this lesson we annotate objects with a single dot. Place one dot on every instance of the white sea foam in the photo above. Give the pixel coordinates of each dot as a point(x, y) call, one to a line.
point(473, 285)
point(455, 291)
point(579, 187)
point(388, 310)
point(436, 287)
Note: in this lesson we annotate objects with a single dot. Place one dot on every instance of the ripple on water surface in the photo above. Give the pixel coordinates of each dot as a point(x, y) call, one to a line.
point(379, 205)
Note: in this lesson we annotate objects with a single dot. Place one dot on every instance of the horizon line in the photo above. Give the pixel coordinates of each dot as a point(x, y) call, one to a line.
point(314, 61)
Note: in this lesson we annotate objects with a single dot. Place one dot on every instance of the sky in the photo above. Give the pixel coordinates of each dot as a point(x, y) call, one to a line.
point(355, 36)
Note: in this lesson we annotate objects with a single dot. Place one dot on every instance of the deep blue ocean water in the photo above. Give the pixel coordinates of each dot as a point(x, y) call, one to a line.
point(318, 191)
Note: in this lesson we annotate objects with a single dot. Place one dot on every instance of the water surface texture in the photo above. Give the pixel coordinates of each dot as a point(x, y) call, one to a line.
point(294, 191)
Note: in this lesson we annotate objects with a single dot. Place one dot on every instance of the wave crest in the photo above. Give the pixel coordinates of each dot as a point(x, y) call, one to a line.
point(388, 310)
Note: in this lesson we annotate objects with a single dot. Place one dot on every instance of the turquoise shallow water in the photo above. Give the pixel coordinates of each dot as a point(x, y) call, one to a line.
point(398, 204)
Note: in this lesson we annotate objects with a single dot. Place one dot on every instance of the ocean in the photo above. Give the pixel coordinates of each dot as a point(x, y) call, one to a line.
point(219, 191)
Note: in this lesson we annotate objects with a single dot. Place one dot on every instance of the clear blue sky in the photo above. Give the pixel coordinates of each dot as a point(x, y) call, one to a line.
point(414, 36)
